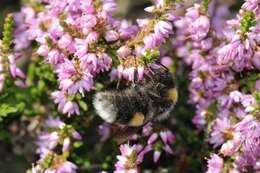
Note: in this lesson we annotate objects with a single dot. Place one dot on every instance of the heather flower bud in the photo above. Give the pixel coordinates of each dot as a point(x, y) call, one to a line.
point(256, 60)
point(199, 29)
point(55, 57)
point(163, 28)
point(43, 50)
point(111, 36)
point(123, 51)
point(156, 156)
point(215, 164)
point(152, 138)
point(92, 37)
point(64, 41)
point(150, 9)
point(66, 144)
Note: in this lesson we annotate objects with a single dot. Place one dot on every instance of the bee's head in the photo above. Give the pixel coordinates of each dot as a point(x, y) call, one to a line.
point(167, 85)
point(164, 77)
point(104, 107)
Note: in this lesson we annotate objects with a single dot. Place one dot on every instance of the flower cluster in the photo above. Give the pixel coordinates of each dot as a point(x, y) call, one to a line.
point(56, 134)
point(129, 159)
point(81, 39)
point(156, 141)
point(87, 48)
point(9, 57)
point(221, 61)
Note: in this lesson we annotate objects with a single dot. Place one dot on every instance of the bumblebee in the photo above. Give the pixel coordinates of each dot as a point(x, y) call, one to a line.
point(151, 99)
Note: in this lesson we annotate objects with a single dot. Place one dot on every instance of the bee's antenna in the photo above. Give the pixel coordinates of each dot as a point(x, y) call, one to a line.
point(159, 63)
point(165, 68)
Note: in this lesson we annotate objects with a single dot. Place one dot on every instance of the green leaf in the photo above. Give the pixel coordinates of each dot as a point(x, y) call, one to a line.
point(99, 86)
point(6, 109)
point(77, 144)
point(83, 105)
point(150, 56)
point(257, 97)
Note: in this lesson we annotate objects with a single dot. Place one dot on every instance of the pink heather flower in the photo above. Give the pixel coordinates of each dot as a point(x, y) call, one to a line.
point(256, 60)
point(105, 62)
point(163, 28)
point(152, 138)
point(43, 50)
point(150, 9)
point(92, 37)
point(76, 135)
point(14, 70)
point(81, 47)
point(199, 119)
point(54, 123)
point(104, 131)
point(150, 41)
point(166, 61)
point(127, 30)
point(248, 100)
point(234, 54)
point(127, 73)
point(64, 41)
point(64, 104)
point(127, 161)
point(221, 126)
point(251, 5)
point(111, 36)
point(147, 129)
point(249, 130)
point(167, 149)
point(47, 141)
point(55, 29)
point(88, 21)
point(193, 12)
point(71, 108)
point(20, 83)
point(206, 44)
point(66, 144)
point(235, 96)
point(140, 72)
point(123, 51)
point(55, 57)
point(109, 6)
point(74, 78)
point(167, 137)
point(64, 167)
point(231, 146)
point(199, 28)
point(113, 74)
point(215, 164)
point(156, 156)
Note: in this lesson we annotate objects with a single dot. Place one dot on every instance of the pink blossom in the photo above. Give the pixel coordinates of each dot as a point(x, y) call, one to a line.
point(215, 164)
